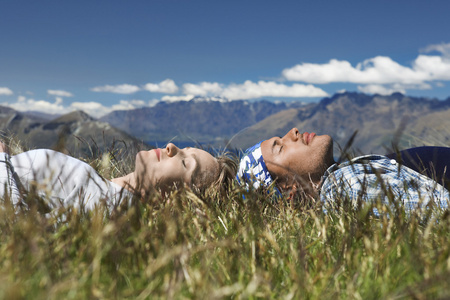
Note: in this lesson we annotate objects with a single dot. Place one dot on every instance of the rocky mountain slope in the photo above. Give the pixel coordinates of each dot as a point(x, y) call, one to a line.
point(75, 133)
point(380, 122)
point(206, 121)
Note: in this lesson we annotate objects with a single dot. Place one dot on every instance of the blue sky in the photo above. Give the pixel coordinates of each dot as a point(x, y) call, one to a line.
point(57, 56)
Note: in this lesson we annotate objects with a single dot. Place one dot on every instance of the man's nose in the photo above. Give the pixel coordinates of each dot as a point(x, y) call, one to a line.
point(293, 134)
point(171, 149)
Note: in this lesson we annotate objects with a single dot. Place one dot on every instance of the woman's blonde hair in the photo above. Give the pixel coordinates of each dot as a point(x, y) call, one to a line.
point(219, 181)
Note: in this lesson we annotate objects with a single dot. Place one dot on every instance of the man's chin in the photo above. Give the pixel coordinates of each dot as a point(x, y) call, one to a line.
point(328, 157)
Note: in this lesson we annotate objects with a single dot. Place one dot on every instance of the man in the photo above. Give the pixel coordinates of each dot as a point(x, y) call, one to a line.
point(304, 164)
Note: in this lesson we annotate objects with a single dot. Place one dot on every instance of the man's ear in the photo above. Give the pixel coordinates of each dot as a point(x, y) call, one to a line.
point(293, 190)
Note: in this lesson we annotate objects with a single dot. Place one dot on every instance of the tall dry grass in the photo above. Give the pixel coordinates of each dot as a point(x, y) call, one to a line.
point(221, 247)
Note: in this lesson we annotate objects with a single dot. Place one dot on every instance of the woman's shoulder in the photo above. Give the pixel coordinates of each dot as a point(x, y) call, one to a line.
point(39, 154)
point(45, 158)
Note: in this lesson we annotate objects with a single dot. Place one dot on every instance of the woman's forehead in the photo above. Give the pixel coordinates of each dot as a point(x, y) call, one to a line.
point(205, 165)
point(196, 151)
point(202, 157)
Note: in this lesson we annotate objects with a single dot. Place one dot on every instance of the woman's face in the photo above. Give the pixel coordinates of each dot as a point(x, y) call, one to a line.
point(167, 168)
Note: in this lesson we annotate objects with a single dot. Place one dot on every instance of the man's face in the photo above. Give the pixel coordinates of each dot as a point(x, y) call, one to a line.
point(298, 156)
point(169, 167)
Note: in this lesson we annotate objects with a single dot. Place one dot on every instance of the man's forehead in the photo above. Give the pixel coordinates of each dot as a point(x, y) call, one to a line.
point(267, 147)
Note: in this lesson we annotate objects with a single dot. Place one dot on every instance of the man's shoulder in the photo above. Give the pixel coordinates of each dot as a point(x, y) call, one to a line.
point(366, 159)
point(358, 163)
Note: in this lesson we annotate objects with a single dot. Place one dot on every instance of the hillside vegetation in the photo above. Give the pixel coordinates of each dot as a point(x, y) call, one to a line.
point(222, 247)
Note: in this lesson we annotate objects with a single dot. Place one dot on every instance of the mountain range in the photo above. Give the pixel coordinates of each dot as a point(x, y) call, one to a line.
point(381, 123)
point(204, 121)
point(76, 133)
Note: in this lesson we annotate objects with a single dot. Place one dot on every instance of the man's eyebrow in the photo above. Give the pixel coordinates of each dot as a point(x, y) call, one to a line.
point(275, 140)
point(274, 144)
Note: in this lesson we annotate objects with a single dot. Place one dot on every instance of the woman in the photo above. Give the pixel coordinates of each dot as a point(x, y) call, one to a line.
point(61, 180)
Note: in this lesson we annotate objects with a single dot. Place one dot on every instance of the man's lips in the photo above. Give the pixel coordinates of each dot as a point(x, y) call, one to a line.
point(158, 153)
point(307, 137)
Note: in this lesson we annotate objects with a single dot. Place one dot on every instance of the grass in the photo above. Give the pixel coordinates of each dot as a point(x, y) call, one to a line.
point(221, 248)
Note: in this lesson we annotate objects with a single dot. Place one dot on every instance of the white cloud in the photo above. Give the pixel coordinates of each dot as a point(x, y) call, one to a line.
point(435, 67)
point(250, 90)
point(117, 89)
point(388, 89)
point(58, 100)
point(93, 109)
point(177, 98)
point(153, 102)
point(420, 86)
point(24, 104)
point(443, 48)
point(128, 104)
point(379, 89)
point(5, 91)
point(377, 70)
point(59, 93)
point(246, 90)
point(203, 89)
point(167, 86)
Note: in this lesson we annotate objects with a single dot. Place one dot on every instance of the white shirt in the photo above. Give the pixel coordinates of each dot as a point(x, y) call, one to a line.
point(59, 179)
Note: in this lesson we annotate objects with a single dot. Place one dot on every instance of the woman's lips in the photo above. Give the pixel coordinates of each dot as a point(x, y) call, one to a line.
point(158, 153)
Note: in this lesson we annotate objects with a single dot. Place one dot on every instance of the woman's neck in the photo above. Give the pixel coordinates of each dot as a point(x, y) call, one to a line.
point(128, 182)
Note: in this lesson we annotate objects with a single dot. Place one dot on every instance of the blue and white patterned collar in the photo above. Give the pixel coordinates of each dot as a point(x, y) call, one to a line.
point(253, 170)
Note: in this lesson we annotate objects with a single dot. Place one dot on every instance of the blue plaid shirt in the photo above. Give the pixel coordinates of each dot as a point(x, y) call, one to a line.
point(373, 177)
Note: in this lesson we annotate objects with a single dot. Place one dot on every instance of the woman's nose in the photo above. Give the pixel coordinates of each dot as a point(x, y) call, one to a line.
point(171, 149)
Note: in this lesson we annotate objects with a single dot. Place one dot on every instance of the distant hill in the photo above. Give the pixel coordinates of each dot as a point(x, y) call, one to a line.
point(75, 133)
point(206, 121)
point(379, 120)
point(41, 115)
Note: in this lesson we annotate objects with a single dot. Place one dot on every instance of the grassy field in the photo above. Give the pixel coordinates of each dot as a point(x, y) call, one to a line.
point(216, 248)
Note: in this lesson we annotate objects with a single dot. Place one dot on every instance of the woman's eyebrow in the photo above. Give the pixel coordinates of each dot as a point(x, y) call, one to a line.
point(196, 170)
